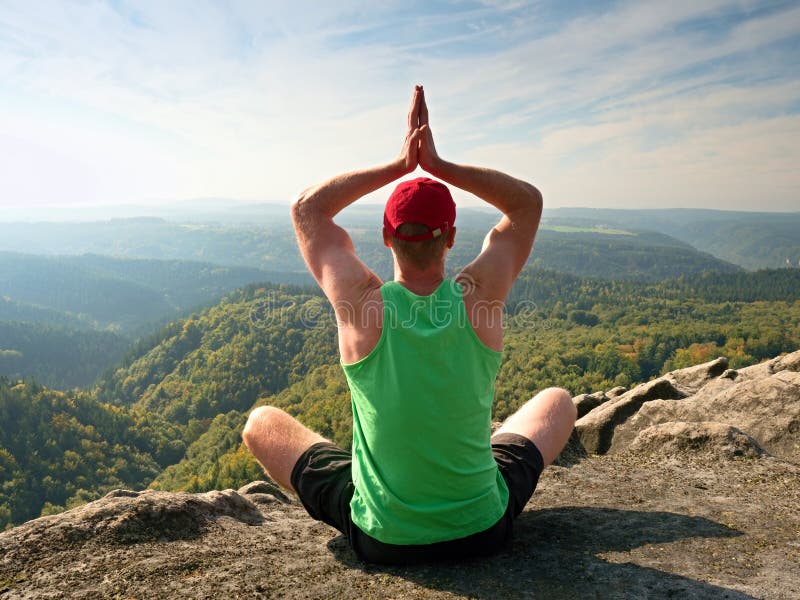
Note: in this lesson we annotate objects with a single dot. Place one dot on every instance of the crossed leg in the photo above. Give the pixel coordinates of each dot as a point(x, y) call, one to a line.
point(547, 420)
point(277, 440)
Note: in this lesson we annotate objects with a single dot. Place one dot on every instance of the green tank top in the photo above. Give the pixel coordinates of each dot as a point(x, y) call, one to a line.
point(423, 468)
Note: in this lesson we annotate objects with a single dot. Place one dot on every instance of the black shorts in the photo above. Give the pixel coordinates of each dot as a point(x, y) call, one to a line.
point(323, 481)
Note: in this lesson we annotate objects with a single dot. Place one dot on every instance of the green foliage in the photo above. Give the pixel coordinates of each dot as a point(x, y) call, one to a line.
point(171, 414)
point(57, 356)
point(61, 449)
point(232, 470)
point(51, 509)
point(321, 401)
point(545, 289)
point(218, 460)
point(626, 346)
point(96, 297)
point(201, 460)
point(127, 295)
point(256, 341)
point(764, 285)
point(582, 317)
point(585, 335)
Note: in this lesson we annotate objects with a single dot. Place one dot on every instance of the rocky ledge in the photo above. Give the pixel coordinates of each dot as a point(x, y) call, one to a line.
point(687, 486)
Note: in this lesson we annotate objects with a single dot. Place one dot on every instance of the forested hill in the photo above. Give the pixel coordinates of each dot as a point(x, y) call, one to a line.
point(256, 341)
point(562, 330)
point(171, 413)
point(66, 319)
point(126, 295)
point(213, 361)
point(546, 288)
point(61, 449)
point(58, 356)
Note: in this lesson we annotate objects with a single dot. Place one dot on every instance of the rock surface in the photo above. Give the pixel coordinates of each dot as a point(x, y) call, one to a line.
point(762, 400)
point(597, 428)
point(588, 402)
point(695, 497)
point(677, 438)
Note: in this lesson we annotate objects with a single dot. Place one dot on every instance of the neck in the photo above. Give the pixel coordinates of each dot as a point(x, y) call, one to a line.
point(421, 282)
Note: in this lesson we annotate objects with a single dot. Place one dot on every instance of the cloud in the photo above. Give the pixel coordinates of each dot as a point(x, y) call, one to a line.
point(171, 100)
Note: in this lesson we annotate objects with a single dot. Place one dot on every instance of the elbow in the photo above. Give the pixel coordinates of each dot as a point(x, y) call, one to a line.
point(533, 198)
point(536, 196)
point(305, 212)
point(298, 204)
point(300, 207)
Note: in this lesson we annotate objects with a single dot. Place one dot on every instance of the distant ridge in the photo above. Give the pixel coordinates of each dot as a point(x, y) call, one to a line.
point(272, 247)
point(751, 239)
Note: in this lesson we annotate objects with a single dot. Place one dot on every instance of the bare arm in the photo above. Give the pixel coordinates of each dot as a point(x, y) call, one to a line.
point(326, 247)
point(508, 244)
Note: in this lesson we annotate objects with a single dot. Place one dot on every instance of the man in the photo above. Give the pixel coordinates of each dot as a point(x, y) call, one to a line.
point(426, 480)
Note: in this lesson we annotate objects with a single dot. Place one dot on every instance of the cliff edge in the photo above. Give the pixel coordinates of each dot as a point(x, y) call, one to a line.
point(687, 486)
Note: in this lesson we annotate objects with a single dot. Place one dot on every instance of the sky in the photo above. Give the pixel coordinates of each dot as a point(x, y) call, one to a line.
point(687, 103)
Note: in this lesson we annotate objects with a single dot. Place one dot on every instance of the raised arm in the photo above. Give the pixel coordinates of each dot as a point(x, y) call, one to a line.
point(508, 244)
point(326, 247)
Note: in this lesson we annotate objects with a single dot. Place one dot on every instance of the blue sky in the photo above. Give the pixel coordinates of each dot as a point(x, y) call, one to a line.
point(605, 104)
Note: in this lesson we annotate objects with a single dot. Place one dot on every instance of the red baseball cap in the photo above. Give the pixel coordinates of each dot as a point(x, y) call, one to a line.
point(422, 200)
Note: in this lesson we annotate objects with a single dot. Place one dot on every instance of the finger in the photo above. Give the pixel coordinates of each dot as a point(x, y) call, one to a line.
point(413, 112)
point(426, 145)
point(411, 149)
point(424, 132)
point(412, 142)
point(423, 108)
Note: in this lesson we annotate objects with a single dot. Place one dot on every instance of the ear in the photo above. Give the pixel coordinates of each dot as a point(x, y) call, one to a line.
point(451, 237)
point(387, 239)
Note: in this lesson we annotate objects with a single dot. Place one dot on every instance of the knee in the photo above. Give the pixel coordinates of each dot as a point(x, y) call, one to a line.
point(562, 403)
point(259, 423)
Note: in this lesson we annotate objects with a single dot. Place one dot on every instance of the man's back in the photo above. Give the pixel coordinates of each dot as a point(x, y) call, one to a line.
point(422, 463)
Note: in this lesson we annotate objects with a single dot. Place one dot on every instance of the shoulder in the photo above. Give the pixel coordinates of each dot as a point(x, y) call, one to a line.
point(359, 324)
point(353, 303)
point(484, 310)
point(479, 288)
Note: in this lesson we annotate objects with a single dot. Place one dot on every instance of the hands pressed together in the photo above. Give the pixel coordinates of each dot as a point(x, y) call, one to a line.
point(418, 147)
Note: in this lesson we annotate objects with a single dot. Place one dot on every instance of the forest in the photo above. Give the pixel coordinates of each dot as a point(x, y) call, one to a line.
point(168, 411)
point(104, 302)
point(132, 350)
